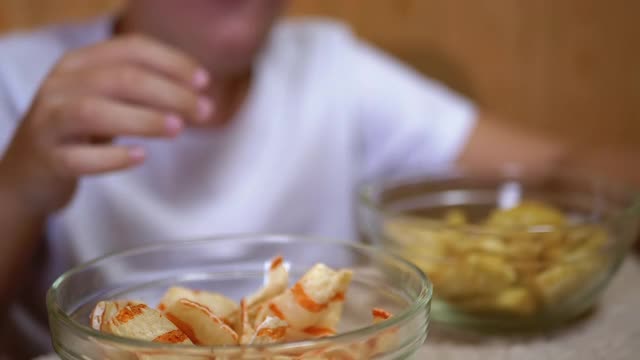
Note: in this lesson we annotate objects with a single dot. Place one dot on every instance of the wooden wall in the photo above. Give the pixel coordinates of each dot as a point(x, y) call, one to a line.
point(567, 66)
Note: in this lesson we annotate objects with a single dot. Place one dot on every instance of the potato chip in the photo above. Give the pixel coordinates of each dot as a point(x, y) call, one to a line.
point(520, 261)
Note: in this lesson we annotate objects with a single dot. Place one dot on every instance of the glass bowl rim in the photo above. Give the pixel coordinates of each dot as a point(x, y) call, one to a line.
point(420, 303)
point(369, 190)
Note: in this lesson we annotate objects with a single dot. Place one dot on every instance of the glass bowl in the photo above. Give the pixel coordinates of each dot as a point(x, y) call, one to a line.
point(505, 251)
point(235, 267)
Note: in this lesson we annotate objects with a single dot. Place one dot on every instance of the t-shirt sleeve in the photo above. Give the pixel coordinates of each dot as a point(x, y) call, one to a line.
point(407, 123)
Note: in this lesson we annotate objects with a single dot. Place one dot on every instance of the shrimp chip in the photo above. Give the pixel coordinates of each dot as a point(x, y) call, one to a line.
point(380, 315)
point(385, 341)
point(310, 309)
point(277, 282)
point(334, 312)
point(200, 324)
point(311, 332)
point(246, 331)
point(218, 304)
point(272, 330)
point(144, 323)
point(307, 303)
point(105, 310)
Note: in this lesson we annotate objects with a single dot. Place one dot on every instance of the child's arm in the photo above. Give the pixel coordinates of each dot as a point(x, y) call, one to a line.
point(129, 86)
point(409, 123)
point(492, 144)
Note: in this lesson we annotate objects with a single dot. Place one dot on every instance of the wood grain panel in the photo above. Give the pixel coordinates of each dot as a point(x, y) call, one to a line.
point(17, 14)
point(592, 72)
point(566, 66)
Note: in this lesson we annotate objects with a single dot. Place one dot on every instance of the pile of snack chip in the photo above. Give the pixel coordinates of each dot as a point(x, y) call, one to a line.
point(518, 262)
point(276, 313)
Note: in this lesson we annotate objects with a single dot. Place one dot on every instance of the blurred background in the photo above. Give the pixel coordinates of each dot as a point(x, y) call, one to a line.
point(566, 67)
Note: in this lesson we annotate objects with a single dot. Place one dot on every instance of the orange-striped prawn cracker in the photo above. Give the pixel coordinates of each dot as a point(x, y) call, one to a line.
point(277, 283)
point(386, 340)
point(219, 304)
point(326, 326)
point(144, 323)
point(105, 310)
point(200, 324)
point(308, 302)
point(333, 315)
point(245, 330)
point(272, 330)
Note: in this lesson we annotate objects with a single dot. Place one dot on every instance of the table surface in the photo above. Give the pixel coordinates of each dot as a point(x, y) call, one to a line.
point(611, 332)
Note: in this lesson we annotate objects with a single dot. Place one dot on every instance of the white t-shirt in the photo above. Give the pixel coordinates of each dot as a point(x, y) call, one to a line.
point(326, 111)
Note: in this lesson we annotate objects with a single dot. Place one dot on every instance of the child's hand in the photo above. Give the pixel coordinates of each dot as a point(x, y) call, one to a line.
point(128, 86)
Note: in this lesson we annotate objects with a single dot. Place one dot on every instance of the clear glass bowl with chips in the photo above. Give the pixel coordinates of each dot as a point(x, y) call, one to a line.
point(505, 251)
point(235, 267)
